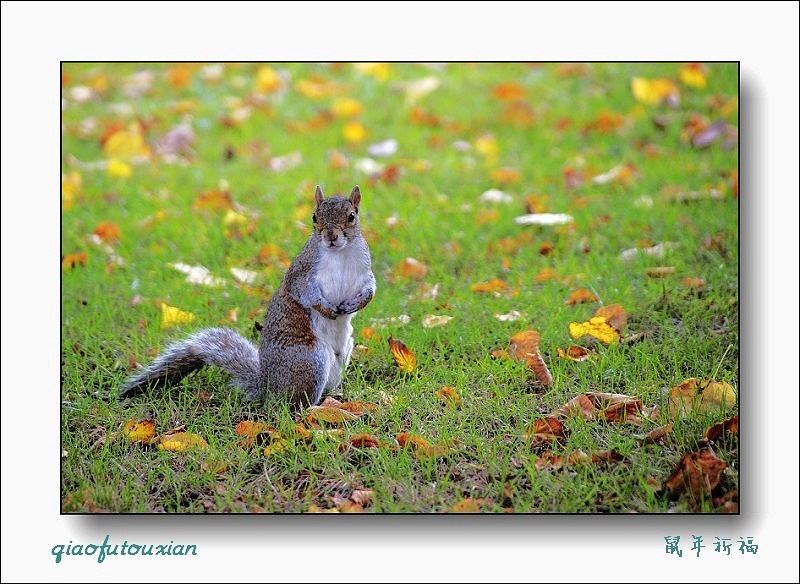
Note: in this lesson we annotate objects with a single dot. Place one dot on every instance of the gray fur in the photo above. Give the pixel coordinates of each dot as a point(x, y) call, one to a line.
point(306, 340)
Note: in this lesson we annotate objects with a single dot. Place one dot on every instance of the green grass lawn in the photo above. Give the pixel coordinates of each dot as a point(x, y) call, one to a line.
point(634, 170)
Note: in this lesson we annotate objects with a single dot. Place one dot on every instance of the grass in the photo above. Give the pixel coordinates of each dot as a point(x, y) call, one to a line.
point(111, 313)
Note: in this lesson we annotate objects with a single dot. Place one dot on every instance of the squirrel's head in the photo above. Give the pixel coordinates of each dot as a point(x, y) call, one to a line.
point(336, 219)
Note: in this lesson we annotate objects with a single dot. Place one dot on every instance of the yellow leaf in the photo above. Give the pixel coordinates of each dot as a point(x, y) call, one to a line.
point(267, 80)
point(182, 441)
point(70, 184)
point(331, 415)
point(596, 327)
point(234, 218)
point(248, 428)
point(693, 75)
point(403, 356)
point(653, 91)
point(118, 169)
point(142, 431)
point(275, 446)
point(702, 396)
point(126, 144)
point(346, 107)
point(379, 71)
point(354, 132)
point(488, 147)
point(171, 316)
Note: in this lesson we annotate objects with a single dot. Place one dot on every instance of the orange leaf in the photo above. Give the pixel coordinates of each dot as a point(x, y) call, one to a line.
point(143, 431)
point(508, 91)
point(548, 429)
point(536, 363)
point(449, 394)
point(71, 260)
point(495, 285)
point(411, 268)
point(580, 296)
point(357, 407)
point(658, 433)
point(214, 200)
point(468, 505)
point(403, 356)
point(364, 441)
point(248, 428)
point(505, 175)
point(625, 411)
point(107, 231)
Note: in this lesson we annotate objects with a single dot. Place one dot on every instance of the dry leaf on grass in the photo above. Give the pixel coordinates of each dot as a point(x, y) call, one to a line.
point(701, 396)
point(697, 472)
point(143, 431)
point(405, 359)
point(181, 441)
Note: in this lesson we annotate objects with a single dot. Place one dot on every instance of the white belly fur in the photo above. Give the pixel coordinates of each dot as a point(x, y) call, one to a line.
point(339, 278)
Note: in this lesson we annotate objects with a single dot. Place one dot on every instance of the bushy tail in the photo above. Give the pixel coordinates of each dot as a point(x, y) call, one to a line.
point(224, 348)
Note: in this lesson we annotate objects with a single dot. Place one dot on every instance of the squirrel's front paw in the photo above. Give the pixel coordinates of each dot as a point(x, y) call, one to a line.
point(353, 304)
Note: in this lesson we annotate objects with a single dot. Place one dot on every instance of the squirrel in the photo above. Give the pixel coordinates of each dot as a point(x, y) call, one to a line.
point(307, 338)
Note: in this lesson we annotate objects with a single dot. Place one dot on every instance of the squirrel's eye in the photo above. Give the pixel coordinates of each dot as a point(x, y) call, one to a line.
point(352, 217)
point(314, 218)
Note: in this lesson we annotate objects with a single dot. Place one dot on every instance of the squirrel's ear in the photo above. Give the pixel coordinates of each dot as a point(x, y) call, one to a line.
point(355, 197)
point(318, 195)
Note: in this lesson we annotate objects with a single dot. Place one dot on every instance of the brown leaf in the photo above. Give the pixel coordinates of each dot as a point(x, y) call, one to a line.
point(405, 359)
point(364, 441)
point(535, 362)
point(524, 343)
point(361, 497)
point(468, 505)
point(580, 404)
point(248, 428)
point(660, 272)
point(693, 283)
point(214, 200)
point(548, 429)
point(702, 396)
point(422, 447)
point(615, 315)
point(658, 433)
point(697, 472)
point(330, 415)
point(357, 407)
point(575, 353)
point(628, 411)
point(717, 430)
point(580, 296)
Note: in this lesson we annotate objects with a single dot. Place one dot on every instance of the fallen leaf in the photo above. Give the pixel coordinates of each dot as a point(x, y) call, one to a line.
point(730, 425)
point(361, 497)
point(504, 176)
point(597, 327)
point(181, 441)
point(580, 296)
point(433, 320)
point(143, 431)
point(405, 359)
point(543, 219)
point(701, 396)
point(548, 429)
point(575, 353)
point(580, 404)
point(697, 472)
point(492, 287)
point(615, 315)
point(523, 344)
point(172, 316)
point(411, 268)
point(331, 415)
point(468, 505)
point(126, 145)
point(346, 107)
point(660, 271)
point(214, 200)
point(364, 441)
point(627, 411)
point(449, 395)
point(508, 91)
point(275, 446)
point(107, 231)
point(693, 283)
point(658, 433)
point(215, 466)
point(249, 429)
point(71, 260)
point(654, 91)
point(693, 75)
point(535, 362)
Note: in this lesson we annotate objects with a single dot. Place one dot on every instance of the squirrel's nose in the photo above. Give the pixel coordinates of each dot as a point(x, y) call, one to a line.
point(332, 235)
